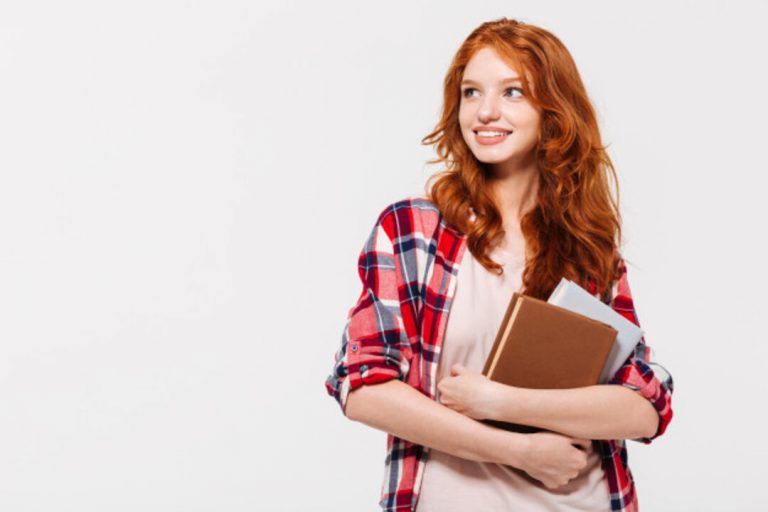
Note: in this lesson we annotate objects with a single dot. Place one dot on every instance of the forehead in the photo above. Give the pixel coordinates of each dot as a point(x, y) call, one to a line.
point(488, 67)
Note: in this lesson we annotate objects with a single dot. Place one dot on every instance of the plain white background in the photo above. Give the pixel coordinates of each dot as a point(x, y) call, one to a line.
point(186, 187)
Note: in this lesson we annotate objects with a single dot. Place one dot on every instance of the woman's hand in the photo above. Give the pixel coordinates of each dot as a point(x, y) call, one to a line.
point(552, 459)
point(472, 394)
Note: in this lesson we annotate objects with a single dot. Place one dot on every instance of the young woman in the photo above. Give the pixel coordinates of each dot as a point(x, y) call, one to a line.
point(523, 201)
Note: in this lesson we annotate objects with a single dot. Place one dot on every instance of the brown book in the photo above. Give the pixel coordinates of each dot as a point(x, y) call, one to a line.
point(543, 346)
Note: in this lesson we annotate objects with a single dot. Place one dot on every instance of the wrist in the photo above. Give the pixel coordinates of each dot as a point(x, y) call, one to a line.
point(503, 402)
point(517, 446)
point(501, 446)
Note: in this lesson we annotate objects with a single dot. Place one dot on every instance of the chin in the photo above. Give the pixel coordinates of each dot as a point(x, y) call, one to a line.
point(492, 160)
point(495, 159)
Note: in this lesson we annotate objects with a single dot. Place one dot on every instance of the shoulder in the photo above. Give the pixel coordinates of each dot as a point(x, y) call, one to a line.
point(618, 283)
point(412, 215)
point(620, 293)
point(415, 205)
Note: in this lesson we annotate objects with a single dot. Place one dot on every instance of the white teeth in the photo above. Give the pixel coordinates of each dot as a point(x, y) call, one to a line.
point(492, 134)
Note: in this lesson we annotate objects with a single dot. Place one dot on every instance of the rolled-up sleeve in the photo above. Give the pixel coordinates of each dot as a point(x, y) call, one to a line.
point(641, 372)
point(374, 346)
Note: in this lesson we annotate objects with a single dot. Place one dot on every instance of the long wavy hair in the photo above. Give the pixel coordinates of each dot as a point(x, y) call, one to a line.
point(574, 228)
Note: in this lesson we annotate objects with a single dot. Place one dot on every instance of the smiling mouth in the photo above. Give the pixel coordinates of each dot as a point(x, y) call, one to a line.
point(490, 137)
point(488, 134)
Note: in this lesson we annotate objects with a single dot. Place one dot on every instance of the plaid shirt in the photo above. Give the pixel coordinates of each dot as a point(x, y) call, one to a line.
point(408, 269)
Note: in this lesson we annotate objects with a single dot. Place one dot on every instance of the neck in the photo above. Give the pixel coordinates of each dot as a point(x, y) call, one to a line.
point(515, 194)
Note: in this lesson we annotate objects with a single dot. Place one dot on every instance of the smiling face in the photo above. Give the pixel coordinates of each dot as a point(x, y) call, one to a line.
point(498, 123)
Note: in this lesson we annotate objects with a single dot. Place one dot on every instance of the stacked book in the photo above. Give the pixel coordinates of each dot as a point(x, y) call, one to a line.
point(571, 340)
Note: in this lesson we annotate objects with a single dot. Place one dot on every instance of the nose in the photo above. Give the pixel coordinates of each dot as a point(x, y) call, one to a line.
point(489, 109)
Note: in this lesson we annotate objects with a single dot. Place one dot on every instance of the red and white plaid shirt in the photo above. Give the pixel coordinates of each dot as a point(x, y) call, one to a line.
point(408, 269)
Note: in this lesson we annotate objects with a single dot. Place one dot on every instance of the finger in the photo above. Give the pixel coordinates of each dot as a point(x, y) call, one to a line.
point(581, 443)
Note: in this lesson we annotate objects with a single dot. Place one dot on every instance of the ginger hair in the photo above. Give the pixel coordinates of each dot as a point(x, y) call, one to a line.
point(574, 229)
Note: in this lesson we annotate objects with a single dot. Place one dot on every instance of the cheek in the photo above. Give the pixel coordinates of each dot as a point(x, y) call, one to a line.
point(531, 118)
point(528, 126)
point(466, 118)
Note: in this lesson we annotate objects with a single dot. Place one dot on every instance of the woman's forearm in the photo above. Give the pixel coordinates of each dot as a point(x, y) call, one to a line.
point(594, 412)
point(397, 408)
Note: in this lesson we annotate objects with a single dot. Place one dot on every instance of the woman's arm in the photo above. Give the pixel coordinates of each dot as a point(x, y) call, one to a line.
point(593, 412)
point(403, 411)
point(397, 408)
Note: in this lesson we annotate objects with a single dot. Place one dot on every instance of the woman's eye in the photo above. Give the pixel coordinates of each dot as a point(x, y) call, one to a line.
point(468, 91)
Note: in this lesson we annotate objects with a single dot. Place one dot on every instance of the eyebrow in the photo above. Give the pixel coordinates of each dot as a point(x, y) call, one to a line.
point(506, 80)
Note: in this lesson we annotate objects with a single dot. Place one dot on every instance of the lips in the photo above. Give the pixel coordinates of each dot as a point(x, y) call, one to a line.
point(493, 139)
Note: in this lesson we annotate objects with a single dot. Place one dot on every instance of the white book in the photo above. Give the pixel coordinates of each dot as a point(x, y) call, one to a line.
point(573, 297)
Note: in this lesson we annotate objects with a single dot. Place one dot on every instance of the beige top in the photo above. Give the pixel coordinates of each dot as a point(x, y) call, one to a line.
point(454, 484)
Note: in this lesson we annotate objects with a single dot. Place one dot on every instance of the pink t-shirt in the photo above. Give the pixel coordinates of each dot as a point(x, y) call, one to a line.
point(452, 484)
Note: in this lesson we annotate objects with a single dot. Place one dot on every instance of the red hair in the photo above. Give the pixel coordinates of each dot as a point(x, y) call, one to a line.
point(574, 229)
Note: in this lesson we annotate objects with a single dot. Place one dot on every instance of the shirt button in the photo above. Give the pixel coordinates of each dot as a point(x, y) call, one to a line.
point(354, 348)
